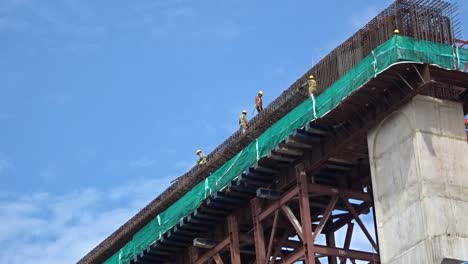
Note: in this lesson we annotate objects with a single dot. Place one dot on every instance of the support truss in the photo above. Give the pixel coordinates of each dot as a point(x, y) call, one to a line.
point(282, 237)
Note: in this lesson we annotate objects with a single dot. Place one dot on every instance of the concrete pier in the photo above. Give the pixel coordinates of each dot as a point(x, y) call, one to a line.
point(419, 165)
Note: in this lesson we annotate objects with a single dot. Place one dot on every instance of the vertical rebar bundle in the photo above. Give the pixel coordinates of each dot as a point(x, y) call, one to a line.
point(433, 20)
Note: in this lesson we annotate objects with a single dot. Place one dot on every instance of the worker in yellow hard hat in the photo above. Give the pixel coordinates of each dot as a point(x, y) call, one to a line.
point(396, 31)
point(312, 85)
point(201, 157)
point(259, 101)
point(243, 121)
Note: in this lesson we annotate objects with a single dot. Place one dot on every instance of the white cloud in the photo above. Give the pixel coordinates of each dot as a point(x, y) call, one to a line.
point(50, 228)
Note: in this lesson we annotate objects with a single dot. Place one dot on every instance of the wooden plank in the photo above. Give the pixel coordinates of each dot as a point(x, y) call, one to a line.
point(332, 191)
point(218, 259)
point(234, 239)
point(330, 240)
point(208, 255)
point(258, 232)
point(348, 217)
point(272, 234)
point(262, 169)
point(361, 224)
point(286, 197)
point(293, 220)
point(347, 243)
point(296, 255)
point(324, 220)
point(313, 130)
point(305, 138)
point(289, 151)
point(296, 144)
point(193, 254)
point(274, 156)
point(339, 252)
point(306, 221)
point(352, 254)
point(281, 243)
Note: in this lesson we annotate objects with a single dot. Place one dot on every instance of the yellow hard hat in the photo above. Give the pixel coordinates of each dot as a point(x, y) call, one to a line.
point(311, 76)
point(244, 111)
point(260, 92)
point(396, 31)
point(198, 151)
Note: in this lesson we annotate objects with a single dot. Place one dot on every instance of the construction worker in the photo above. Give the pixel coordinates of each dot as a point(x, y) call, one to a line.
point(396, 31)
point(201, 157)
point(243, 121)
point(259, 101)
point(312, 84)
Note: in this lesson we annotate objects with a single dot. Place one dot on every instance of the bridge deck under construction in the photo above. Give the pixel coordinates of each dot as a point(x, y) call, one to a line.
point(331, 151)
point(243, 206)
point(336, 149)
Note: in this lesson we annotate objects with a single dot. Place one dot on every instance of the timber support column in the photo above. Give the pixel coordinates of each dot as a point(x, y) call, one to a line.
point(259, 237)
point(233, 229)
point(419, 164)
point(306, 221)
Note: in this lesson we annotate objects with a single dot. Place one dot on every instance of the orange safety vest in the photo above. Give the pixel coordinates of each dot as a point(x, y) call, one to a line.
point(259, 102)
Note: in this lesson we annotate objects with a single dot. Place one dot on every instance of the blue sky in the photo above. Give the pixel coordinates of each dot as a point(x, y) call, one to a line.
point(102, 103)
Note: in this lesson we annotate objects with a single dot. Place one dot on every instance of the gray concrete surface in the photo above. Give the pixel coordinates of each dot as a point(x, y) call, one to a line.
point(419, 165)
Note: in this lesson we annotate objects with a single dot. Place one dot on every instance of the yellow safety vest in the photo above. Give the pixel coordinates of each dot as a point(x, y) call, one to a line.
point(243, 121)
point(202, 159)
point(312, 86)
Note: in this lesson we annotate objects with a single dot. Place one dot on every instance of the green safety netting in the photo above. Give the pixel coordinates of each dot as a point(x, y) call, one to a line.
point(399, 49)
point(462, 59)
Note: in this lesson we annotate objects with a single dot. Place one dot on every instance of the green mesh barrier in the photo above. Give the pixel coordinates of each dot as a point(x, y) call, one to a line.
point(399, 49)
point(462, 55)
